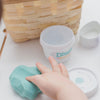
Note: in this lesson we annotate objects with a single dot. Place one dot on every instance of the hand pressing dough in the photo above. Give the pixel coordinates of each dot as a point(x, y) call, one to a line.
point(23, 87)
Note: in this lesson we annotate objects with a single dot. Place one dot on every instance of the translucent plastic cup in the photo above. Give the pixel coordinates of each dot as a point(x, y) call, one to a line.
point(57, 41)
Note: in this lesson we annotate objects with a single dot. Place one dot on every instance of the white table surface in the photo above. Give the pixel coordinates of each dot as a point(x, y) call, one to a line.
point(28, 53)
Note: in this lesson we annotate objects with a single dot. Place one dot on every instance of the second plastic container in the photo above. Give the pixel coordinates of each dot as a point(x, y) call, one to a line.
point(57, 41)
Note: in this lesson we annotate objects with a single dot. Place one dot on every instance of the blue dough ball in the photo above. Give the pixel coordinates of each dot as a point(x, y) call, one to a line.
point(23, 87)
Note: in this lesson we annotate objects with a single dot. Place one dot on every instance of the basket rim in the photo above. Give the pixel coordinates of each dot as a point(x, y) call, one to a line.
point(16, 1)
point(20, 1)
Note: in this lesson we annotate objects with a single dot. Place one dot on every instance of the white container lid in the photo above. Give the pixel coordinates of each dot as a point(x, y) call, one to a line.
point(85, 79)
point(89, 34)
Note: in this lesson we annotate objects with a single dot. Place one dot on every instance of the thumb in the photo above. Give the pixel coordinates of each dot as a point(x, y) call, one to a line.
point(38, 80)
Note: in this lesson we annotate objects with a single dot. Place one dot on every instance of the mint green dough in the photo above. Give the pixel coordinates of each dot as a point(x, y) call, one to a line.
point(23, 87)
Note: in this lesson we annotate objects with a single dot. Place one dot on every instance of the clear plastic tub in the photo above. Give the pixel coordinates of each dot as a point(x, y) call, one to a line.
point(57, 41)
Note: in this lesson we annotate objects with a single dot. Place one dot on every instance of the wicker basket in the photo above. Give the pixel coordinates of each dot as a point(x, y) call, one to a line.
point(25, 19)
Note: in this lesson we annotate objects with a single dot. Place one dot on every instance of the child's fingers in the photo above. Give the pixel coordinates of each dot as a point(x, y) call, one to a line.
point(42, 68)
point(63, 70)
point(38, 80)
point(54, 64)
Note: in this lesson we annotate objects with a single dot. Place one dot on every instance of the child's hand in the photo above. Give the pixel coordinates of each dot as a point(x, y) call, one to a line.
point(56, 83)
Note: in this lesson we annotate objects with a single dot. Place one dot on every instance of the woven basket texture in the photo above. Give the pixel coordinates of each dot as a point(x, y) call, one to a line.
point(25, 19)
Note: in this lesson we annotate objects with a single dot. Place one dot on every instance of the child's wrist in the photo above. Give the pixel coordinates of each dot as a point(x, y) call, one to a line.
point(61, 95)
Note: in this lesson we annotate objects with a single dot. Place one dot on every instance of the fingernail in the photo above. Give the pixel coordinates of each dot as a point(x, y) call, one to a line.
point(50, 57)
point(26, 78)
point(61, 64)
point(37, 63)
